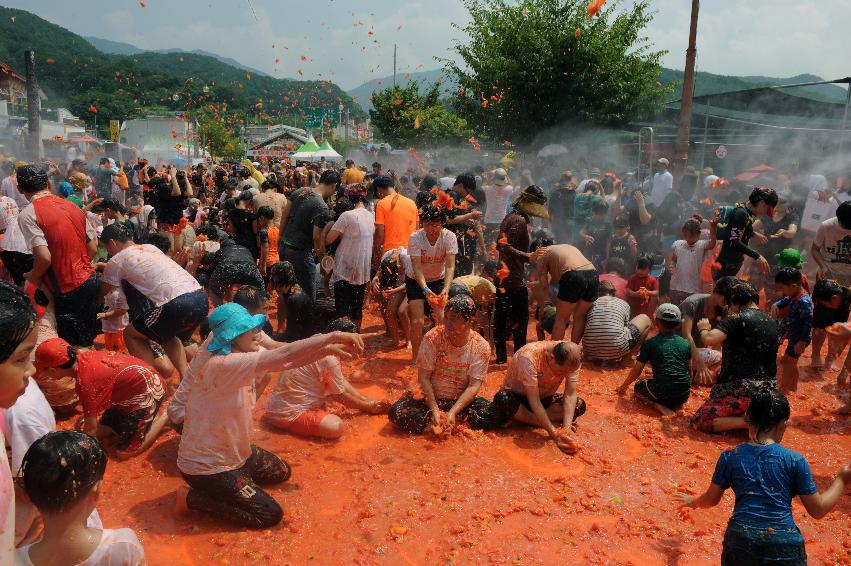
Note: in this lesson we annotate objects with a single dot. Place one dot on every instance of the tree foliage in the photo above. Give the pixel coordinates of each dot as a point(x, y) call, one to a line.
point(218, 130)
point(406, 118)
point(528, 66)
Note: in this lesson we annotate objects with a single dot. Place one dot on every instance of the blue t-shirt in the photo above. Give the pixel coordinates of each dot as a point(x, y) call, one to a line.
point(764, 479)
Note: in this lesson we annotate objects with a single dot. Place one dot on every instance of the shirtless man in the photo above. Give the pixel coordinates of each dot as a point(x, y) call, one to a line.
point(567, 276)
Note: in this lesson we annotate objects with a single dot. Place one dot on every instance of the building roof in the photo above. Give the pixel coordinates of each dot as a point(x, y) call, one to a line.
point(4, 68)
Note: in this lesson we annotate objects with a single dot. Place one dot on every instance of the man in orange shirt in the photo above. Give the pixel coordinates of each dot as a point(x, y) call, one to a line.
point(396, 218)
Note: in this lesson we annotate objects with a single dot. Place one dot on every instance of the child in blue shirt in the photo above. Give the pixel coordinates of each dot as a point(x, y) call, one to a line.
point(798, 325)
point(765, 478)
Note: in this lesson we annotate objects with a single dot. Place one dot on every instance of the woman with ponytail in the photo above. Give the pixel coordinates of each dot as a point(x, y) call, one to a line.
point(765, 477)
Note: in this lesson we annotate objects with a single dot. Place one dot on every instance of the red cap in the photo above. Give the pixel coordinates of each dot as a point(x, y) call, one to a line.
point(51, 353)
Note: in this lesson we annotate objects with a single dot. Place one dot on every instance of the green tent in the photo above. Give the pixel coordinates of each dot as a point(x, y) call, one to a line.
point(308, 150)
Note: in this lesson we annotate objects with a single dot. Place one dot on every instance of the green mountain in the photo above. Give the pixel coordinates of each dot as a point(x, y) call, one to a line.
point(119, 48)
point(93, 84)
point(705, 83)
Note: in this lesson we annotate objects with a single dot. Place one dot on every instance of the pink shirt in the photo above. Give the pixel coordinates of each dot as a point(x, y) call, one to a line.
point(529, 368)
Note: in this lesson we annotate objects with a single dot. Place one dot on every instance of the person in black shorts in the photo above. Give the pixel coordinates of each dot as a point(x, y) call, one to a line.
point(831, 305)
point(578, 287)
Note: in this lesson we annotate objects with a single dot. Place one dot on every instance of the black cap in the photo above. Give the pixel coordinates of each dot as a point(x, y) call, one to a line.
point(78, 162)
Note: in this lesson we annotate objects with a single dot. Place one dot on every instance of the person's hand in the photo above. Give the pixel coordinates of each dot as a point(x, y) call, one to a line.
point(778, 234)
point(760, 238)
point(622, 389)
point(799, 348)
point(566, 443)
point(538, 254)
point(639, 197)
point(685, 499)
point(825, 272)
point(704, 324)
point(702, 374)
point(450, 421)
point(840, 329)
point(476, 214)
point(774, 311)
point(589, 239)
point(101, 315)
point(845, 473)
point(349, 344)
point(762, 264)
point(378, 406)
point(172, 171)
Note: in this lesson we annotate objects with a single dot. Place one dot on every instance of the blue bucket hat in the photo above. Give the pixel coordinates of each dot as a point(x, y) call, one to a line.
point(66, 189)
point(229, 321)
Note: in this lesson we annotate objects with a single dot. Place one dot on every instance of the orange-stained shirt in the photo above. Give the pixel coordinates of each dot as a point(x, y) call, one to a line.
point(352, 175)
point(399, 216)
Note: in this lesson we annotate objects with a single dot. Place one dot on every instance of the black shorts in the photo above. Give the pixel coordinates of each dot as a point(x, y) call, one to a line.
point(415, 293)
point(508, 402)
point(77, 313)
point(579, 285)
point(726, 269)
point(645, 388)
point(824, 316)
point(177, 318)
point(131, 428)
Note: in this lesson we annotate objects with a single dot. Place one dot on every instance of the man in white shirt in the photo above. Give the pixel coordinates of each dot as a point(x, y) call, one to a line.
point(448, 180)
point(709, 177)
point(663, 182)
point(9, 186)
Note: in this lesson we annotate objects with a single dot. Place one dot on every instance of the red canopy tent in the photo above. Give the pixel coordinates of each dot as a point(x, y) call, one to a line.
point(754, 173)
point(83, 139)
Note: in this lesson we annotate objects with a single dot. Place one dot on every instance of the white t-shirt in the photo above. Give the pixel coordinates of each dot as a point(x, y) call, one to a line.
point(151, 272)
point(8, 212)
point(219, 397)
point(663, 184)
point(453, 369)
point(10, 189)
point(354, 252)
point(834, 241)
point(446, 183)
point(119, 547)
point(686, 276)
point(708, 180)
point(304, 389)
point(115, 299)
point(497, 204)
point(432, 257)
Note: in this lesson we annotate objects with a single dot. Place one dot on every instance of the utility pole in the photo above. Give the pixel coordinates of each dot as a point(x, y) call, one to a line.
point(33, 108)
point(681, 147)
point(394, 65)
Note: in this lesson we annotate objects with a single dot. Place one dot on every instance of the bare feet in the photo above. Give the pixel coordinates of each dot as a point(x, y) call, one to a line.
point(665, 411)
point(180, 506)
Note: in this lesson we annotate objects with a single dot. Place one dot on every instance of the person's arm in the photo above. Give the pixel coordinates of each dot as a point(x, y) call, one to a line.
point(332, 236)
point(285, 215)
point(428, 395)
point(90, 425)
point(416, 263)
point(633, 376)
point(513, 234)
point(710, 336)
point(820, 504)
point(175, 187)
point(703, 375)
point(461, 218)
point(354, 398)
point(449, 275)
point(709, 498)
point(569, 406)
point(318, 244)
point(713, 235)
point(816, 255)
point(309, 350)
point(541, 290)
point(377, 245)
point(92, 203)
point(41, 263)
point(643, 215)
point(114, 313)
point(533, 394)
point(264, 257)
point(188, 186)
point(465, 399)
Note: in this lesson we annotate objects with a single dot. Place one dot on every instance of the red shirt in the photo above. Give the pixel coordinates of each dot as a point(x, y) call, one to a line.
point(64, 227)
point(636, 304)
point(111, 380)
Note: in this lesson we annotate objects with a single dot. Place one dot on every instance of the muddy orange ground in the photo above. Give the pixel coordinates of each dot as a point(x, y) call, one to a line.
point(378, 497)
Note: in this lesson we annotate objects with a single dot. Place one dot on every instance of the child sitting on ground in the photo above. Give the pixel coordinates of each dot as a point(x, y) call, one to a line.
point(669, 355)
point(642, 289)
point(799, 324)
point(62, 474)
point(765, 477)
point(297, 404)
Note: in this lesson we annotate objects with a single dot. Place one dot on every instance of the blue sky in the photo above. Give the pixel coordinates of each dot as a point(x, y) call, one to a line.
point(737, 37)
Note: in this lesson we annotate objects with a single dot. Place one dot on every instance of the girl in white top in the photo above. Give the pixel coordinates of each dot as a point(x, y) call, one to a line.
point(499, 194)
point(432, 251)
point(216, 456)
point(62, 474)
point(18, 334)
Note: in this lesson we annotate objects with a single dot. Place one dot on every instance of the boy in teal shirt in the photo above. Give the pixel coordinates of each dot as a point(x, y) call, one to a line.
point(669, 355)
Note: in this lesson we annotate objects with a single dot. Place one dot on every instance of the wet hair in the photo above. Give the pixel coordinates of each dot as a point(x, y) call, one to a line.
point(644, 261)
point(428, 182)
point(282, 273)
point(382, 182)
point(245, 196)
point(490, 267)
point(31, 178)
point(789, 276)
point(265, 212)
point(250, 297)
point(541, 239)
point(768, 408)
point(61, 468)
point(115, 232)
point(826, 289)
point(158, 241)
point(388, 273)
point(457, 289)
point(692, 226)
point(17, 319)
point(342, 205)
point(741, 294)
point(607, 289)
point(431, 213)
point(466, 180)
point(463, 305)
point(424, 198)
point(329, 177)
point(763, 194)
point(342, 324)
point(616, 264)
point(111, 204)
point(210, 232)
point(843, 215)
point(270, 184)
point(600, 207)
point(723, 285)
point(561, 353)
point(621, 221)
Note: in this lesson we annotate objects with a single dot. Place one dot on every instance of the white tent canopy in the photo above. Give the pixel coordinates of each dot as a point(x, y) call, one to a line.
point(328, 152)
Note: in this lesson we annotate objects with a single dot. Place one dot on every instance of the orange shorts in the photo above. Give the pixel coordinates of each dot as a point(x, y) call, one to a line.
point(305, 425)
point(114, 341)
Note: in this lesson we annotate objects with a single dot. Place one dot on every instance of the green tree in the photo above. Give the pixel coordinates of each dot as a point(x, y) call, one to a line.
point(407, 118)
point(535, 64)
point(218, 130)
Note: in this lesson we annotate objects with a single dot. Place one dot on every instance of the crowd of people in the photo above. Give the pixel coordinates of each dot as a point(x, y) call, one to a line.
point(687, 284)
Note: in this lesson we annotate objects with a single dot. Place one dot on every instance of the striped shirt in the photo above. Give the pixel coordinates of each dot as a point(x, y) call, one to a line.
point(606, 336)
point(453, 369)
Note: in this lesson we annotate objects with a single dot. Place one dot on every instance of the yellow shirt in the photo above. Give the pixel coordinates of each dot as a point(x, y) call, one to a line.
point(352, 175)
